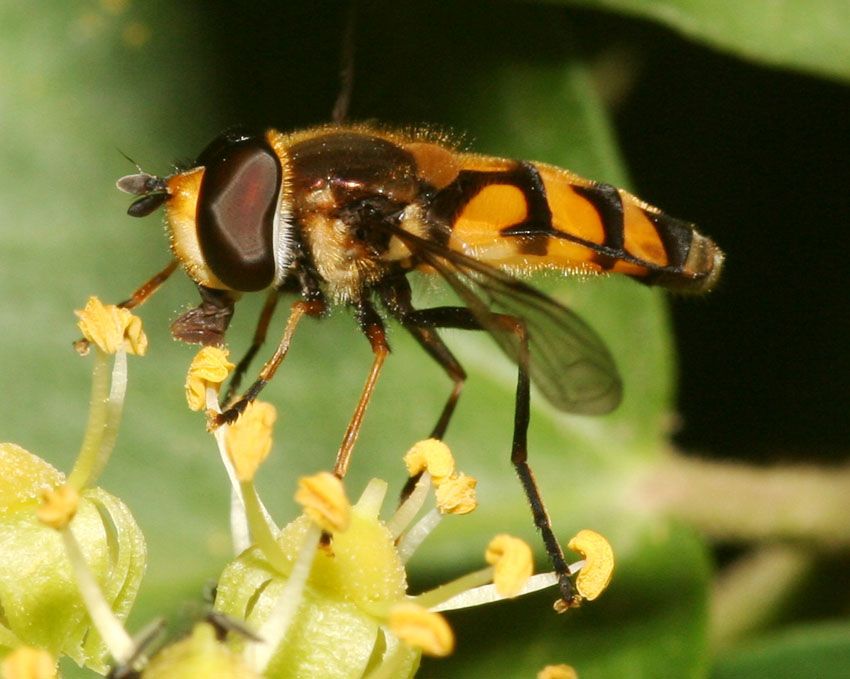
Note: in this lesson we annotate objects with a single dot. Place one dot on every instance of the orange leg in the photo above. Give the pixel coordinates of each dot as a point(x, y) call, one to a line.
point(299, 309)
point(139, 297)
point(259, 338)
point(378, 339)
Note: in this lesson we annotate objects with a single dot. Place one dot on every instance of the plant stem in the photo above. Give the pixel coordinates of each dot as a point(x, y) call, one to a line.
point(738, 502)
point(748, 594)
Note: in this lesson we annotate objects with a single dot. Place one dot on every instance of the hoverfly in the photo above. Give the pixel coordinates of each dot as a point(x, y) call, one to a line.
point(341, 214)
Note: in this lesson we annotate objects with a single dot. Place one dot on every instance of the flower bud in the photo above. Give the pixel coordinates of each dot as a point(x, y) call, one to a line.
point(338, 624)
point(44, 609)
point(198, 655)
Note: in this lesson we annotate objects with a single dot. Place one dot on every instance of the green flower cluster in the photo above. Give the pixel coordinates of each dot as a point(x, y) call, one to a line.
point(325, 596)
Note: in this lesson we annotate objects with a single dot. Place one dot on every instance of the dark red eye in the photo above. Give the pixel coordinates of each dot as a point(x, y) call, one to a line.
point(236, 209)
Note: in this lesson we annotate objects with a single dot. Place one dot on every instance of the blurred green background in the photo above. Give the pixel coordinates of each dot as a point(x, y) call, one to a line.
point(732, 115)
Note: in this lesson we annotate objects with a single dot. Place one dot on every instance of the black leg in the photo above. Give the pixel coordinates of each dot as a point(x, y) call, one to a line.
point(422, 323)
point(519, 458)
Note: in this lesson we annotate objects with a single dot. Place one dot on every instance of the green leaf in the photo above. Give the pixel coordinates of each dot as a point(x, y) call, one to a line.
point(812, 36)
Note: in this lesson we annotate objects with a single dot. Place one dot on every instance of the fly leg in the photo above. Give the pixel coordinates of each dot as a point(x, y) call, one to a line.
point(397, 299)
point(519, 458)
point(422, 323)
point(299, 310)
point(373, 327)
point(259, 338)
point(139, 297)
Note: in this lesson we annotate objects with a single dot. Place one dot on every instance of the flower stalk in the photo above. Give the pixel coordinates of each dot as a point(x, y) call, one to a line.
point(726, 501)
point(113, 331)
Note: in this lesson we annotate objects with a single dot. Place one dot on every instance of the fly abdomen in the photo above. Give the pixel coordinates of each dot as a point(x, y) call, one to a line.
point(522, 216)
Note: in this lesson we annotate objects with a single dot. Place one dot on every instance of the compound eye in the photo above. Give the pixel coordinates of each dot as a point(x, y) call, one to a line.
point(236, 211)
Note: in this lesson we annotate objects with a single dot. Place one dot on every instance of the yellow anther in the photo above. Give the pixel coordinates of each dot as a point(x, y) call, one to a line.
point(137, 341)
point(323, 498)
point(595, 575)
point(512, 563)
point(111, 327)
point(456, 494)
point(58, 506)
point(418, 627)
point(557, 672)
point(430, 455)
point(249, 439)
point(210, 367)
point(26, 662)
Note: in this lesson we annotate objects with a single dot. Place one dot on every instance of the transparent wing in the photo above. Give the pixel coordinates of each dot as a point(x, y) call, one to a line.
point(568, 361)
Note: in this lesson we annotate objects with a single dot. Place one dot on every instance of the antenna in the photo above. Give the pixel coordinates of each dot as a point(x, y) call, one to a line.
point(346, 68)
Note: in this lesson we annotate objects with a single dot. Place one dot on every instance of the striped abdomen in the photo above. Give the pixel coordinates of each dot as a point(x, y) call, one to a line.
point(523, 216)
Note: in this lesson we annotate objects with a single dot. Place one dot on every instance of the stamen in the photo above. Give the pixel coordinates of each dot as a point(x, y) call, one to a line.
point(249, 439)
point(473, 589)
point(96, 423)
point(273, 631)
point(210, 367)
point(59, 505)
point(323, 498)
point(372, 498)
point(433, 456)
point(410, 507)
point(512, 563)
point(117, 641)
point(137, 341)
point(240, 530)
point(595, 575)
point(107, 405)
point(434, 599)
point(110, 327)
point(416, 536)
point(262, 533)
point(422, 629)
point(456, 494)
point(486, 594)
